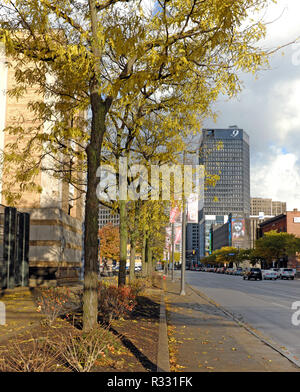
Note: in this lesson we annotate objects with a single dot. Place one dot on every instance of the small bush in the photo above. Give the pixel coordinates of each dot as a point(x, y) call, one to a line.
point(114, 302)
point(138, 286)
point(55, 302)
point(31, 355)
point(154, 280)
point(81, 350)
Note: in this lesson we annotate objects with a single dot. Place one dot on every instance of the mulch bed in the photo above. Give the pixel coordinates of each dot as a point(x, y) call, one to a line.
point(136, 338)
point(139, 335)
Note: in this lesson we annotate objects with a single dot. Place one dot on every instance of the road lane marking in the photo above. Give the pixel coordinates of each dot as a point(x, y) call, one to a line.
point(282, 306)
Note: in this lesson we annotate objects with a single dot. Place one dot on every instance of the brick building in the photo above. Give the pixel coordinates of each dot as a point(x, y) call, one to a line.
point(286, 223)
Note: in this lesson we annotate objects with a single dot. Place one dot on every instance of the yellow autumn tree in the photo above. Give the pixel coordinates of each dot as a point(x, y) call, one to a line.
point(168, 58)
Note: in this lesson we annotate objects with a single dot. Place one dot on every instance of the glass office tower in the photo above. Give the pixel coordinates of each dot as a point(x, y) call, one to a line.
point(224, 152)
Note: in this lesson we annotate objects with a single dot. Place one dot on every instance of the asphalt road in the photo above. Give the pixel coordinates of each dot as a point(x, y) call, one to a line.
point(264, 305)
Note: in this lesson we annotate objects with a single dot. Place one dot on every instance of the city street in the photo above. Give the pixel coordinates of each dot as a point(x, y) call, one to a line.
point(264, 305)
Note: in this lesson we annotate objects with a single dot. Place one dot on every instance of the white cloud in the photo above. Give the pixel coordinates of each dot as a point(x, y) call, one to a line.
point(278, 179)
point(283, 22)
point(269, 111)
point(285, 96)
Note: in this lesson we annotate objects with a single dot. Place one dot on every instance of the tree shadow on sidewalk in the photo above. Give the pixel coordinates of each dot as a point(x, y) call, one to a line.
point(140, 324)
point(143, 359)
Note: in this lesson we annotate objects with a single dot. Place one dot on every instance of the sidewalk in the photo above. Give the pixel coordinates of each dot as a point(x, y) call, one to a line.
point(21, 312)
point(203, 339)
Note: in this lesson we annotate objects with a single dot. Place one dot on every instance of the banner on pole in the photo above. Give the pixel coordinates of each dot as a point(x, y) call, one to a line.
point(174, 214)
point(192, 208)
point(177, 235)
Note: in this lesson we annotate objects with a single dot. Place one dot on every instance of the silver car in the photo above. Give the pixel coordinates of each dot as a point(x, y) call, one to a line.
point(287, 273)
point(270, 274)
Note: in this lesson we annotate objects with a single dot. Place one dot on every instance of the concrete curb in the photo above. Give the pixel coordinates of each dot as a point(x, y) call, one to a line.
point(163, 358)
point(250, 329)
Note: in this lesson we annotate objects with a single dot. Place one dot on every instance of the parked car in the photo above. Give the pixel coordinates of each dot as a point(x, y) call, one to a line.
point(252, 273)
point(270, 274)
point(277, 270)
point(229, 271)
point(238, 271)
point(287, 273)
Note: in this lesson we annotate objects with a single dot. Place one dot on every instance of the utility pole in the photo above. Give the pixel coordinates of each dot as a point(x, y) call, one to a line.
point(172, 257)
point(167, 261)
point(183, 240)
point(183, 235)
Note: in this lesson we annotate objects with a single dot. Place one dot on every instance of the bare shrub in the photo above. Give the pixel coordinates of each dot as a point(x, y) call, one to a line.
point(114, 302)
point(58, 301)
point(31, 355)
point(138, 286)
point(80, 350)
point(51, 302)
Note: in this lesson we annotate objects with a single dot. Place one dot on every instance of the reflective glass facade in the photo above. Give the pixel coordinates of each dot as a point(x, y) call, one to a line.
point(225, 153)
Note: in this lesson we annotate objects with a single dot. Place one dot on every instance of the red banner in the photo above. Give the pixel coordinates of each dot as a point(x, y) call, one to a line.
point(174, 214)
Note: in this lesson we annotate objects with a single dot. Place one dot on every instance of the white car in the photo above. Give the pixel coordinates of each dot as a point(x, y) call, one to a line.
point(276, 270)
point(269, 274)
point(287, 273)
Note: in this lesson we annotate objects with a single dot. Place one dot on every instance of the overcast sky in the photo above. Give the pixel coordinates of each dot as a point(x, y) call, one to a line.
point(268, 109)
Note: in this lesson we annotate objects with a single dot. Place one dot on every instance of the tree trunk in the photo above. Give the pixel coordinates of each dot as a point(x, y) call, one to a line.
point(145, 255)
point(149, 260)
point(132, 260)
point(91, 267)
point(123, 243)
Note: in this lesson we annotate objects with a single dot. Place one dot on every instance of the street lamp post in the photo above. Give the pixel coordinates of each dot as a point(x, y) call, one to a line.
point(183, 235)
point(172, 252)
point(183, 241)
